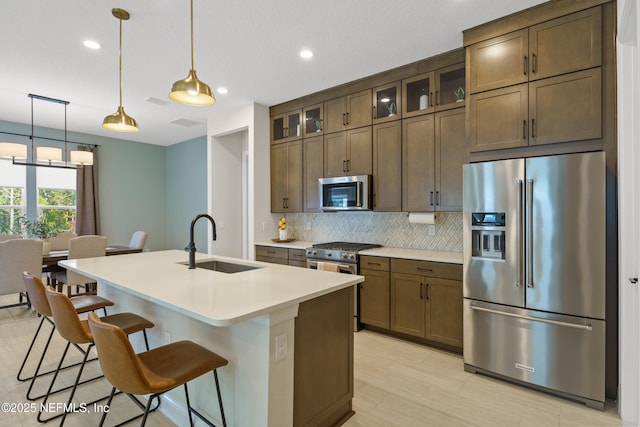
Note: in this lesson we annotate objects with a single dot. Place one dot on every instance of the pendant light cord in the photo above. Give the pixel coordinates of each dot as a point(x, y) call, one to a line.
point(120, 64)
point(192, 62)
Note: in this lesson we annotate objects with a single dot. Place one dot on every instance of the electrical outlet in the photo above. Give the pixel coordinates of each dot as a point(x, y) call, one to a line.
point(264, 226)
point(281, 347)
point(431, 231)
point(167, 337)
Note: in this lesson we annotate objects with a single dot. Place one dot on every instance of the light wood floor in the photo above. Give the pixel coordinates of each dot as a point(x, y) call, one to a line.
point(396, 384)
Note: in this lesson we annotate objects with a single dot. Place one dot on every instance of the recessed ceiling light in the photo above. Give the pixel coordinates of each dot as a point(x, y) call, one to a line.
point(91, 44)
point(306, 54)
point(222, 90)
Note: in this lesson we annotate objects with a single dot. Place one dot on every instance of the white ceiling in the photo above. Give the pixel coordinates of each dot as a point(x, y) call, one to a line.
point(248, 46)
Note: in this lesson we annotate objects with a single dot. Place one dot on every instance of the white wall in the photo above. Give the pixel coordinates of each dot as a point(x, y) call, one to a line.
point(628, 209)
point(246, 128)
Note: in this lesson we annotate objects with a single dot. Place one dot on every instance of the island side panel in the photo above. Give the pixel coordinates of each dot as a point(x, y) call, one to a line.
point(323, 365)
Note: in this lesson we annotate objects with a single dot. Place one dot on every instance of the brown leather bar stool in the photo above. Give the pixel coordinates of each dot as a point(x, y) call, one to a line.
point(155, 371)
point(37, 296)
point(77, 332)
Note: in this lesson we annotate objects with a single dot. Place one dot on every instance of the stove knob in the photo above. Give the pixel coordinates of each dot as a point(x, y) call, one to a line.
point(329, 254)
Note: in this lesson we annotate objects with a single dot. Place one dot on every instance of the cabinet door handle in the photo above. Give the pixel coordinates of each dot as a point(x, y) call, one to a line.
point(373, 263)
point(348, 165)
point(533, 128)
point(285, 132)
point(437, 97)
point(347, 117)
point(524, 129)
point(430, 99)
point(321, 125)
point(271, 252)
point(421, 297)
point(344, 119)
point(526, 63)
point(427, 291)
point(424, 269)
point(437, 198)
point(344, 166)
point(374, 113)
point(534, 63)
point(431, 198)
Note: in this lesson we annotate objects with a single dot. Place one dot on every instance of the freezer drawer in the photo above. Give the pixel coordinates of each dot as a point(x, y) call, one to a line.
point(558, 352)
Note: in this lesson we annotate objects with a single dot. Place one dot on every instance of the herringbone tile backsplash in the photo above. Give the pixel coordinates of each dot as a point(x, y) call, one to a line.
point(387, 229)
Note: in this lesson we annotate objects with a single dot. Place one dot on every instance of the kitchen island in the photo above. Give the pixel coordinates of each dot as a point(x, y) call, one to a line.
point(286, 332)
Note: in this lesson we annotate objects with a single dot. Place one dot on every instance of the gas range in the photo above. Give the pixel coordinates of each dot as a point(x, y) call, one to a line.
point(338, 251)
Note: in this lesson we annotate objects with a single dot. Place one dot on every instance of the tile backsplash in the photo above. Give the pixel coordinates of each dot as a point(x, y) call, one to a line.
point(387, 229)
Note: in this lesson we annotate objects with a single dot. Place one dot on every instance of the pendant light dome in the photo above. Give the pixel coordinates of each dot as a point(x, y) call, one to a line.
point(120, 121)
point(190, 90)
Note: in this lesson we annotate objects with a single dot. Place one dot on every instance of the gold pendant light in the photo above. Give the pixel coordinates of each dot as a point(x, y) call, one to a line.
point(191, 91)
point(120, 121)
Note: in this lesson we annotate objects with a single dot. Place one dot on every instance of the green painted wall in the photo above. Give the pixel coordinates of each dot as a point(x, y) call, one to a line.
point(186, 190)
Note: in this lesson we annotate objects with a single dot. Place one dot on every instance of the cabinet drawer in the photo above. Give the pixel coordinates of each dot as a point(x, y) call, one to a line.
point(272, 252)
point(298, 256)
point(374, 263)
point(427, 268)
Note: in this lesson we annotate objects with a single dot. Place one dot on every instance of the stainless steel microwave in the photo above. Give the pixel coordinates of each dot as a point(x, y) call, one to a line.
point(345, 193)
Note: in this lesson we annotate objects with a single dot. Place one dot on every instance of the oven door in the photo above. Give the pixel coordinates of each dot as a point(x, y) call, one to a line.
point(344, 268)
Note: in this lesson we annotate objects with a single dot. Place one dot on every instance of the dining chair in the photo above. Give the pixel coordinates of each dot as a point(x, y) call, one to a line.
point(17, 256)
point(38, 297)
point(77, 332)
point(60, 242)
point(80, 247)
point(138, 240)
point(153, 372)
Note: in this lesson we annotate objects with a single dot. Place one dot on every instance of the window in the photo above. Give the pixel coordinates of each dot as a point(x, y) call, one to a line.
point(57, 197)
point(36, 191)
point(12, 196)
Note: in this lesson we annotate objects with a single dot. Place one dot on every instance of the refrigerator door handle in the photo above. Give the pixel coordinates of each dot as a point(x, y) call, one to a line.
point(586, 326)
point(529, 236)
point(519, 233)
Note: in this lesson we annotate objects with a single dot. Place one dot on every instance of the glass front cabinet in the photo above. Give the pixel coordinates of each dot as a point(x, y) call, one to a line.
point(387, 103)
point(286, 127)
point(437, 90)
point(313, 121)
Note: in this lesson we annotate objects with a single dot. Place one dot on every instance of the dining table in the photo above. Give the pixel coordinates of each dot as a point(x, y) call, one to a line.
point(50, 260)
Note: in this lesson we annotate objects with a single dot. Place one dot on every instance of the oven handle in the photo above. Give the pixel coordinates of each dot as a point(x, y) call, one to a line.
point(344, 267)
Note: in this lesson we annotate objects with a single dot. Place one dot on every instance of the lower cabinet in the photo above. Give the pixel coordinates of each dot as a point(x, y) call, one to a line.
point(422, 299)
point(374, 291)
point(279, 255)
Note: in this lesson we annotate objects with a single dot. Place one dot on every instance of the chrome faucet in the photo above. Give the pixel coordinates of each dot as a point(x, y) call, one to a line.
point(191, 247)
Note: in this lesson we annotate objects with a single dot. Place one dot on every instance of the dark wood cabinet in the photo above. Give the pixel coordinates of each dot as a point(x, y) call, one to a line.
point(553, 110)
point(286, 177)
point(286, 127)
point(313, 117)
point(426, 300)
point(280, 255)
point(387, 103)
point(348, 112)
point(538, 85)
point(374, 291)
point(433, 152)
point(558, 46)
point(348, 152)
point(387, 167)
point(313, 156)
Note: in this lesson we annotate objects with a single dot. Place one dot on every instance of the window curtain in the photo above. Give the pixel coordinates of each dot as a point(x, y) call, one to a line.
point(88, 208)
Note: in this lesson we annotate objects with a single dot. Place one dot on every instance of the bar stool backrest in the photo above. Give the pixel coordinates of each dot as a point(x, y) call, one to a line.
point(68, 324)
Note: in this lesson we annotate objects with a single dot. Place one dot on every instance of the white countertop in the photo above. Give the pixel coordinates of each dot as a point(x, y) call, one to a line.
point(216, 298)
point(417, 254)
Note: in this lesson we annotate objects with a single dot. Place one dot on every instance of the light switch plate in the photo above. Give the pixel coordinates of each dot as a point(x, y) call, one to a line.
point(281, 347)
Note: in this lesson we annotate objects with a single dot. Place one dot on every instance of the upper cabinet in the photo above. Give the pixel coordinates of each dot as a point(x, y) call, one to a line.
point(313, 121)
point(563, 45)
point(286, 127)
point(387, 103)
point(538, 85)
point(437, 90)
point(348, 112)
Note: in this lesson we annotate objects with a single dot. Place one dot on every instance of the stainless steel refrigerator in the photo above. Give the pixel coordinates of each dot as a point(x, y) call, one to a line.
point(534, 272)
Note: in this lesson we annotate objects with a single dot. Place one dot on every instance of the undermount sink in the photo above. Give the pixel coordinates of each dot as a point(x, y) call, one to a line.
point(223, 266)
